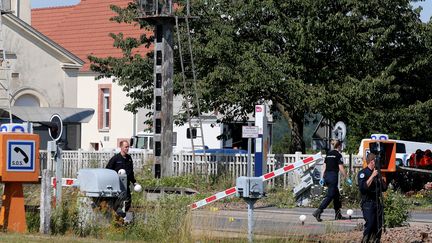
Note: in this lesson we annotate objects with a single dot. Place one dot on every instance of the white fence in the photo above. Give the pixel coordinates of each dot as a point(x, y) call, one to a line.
point(74, 160)
point(236, 165)
point(183, 163)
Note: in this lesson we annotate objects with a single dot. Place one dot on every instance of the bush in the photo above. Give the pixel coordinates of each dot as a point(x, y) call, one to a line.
point(395, 209)
point(189, 181)
point(420, 200)
point(280, 197)
point(62, 219)
point(350, 195)
point(33, 221)
point(164, 220)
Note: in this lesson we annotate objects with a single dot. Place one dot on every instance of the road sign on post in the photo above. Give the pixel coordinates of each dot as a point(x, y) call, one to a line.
point(19, 164)
point(261, 143)
point(20, 155)
point(250, 131)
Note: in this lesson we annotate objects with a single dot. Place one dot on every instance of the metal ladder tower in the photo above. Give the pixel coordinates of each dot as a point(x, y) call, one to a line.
point(159, 13)
point(191, 92)
point(4, 64)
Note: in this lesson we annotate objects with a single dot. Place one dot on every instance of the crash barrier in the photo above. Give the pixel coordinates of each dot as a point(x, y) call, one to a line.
point(268, 176)
point(183, 164)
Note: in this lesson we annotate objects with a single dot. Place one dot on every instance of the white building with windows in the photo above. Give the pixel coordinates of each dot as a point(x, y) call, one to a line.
point(84, 29)
point(38, 78)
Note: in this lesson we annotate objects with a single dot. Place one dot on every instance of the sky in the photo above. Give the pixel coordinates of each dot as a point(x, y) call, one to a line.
point(425, 14)
point(53, 3)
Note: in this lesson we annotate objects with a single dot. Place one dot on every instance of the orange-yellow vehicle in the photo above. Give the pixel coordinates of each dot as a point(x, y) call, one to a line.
point(401, 175)
point(386, 154)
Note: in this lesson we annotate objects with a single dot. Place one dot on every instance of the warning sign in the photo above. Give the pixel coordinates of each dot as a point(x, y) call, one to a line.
point(20, 155)
point(250, 132)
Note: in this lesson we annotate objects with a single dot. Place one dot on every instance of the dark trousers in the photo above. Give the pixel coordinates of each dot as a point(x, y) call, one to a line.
point(128, 201)
point(331, 178)
point(126, 198)
point(372, 214)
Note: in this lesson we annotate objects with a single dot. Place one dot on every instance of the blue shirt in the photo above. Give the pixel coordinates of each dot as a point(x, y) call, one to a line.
point(369, 193)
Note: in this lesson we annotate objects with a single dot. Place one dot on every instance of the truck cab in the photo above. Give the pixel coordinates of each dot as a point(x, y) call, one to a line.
point(142, 141)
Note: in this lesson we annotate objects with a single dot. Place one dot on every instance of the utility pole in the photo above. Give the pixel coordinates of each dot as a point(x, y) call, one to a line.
point(160, 14)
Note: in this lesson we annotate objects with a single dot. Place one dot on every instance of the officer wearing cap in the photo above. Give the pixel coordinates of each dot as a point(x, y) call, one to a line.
point(369, 182)
point(333, 163)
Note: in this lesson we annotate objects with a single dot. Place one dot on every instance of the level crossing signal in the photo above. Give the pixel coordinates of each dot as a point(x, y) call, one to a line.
point(55, 127)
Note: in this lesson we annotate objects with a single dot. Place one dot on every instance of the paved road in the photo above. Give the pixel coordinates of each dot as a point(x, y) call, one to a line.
point(283, 222)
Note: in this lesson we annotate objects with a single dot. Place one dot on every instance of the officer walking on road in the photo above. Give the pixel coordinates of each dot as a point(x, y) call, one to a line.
point(369, 182)
point(333, 163)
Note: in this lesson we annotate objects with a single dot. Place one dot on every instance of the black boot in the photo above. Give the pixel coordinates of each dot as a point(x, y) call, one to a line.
point(317, 214)
point(338, 215)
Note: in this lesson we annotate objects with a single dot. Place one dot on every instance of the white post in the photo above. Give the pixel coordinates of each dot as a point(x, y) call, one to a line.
point(45, 203)
point(49, 161)
point(180, 161)
point(80, 162)
point(59, 176)
point(297, 156)
point(250, 204)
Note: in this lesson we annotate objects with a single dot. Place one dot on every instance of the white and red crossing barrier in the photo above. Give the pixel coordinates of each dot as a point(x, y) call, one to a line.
point(65, 181)
point(228, 192)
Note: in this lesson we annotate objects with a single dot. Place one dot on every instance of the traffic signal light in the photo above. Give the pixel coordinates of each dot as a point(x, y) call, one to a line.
point(55, 128)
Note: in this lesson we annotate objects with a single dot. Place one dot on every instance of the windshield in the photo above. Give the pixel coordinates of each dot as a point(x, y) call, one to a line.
point(144, 142)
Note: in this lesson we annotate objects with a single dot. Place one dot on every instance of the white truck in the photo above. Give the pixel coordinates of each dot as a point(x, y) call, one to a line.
point(181, 140)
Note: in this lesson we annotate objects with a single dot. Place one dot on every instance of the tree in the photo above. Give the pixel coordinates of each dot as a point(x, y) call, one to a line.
point(364, 62)
point(361, 62)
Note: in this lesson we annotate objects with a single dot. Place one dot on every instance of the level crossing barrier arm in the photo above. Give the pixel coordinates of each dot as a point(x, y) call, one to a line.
point(307, 161)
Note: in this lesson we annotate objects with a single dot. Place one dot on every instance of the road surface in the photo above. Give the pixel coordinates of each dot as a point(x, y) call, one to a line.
point(283, 222)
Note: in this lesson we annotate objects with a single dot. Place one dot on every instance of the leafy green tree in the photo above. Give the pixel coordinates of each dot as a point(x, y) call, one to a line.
point(282, 146)
point(364, 62)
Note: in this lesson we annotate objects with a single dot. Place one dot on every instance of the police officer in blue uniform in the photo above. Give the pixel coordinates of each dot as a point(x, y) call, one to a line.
point(120, 161)
point(333, 163)
point(371, 185)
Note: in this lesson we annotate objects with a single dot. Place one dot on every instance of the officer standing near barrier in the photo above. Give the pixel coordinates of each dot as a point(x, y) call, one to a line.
point(369, 182)
point(123, 161)
point(333, 163)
